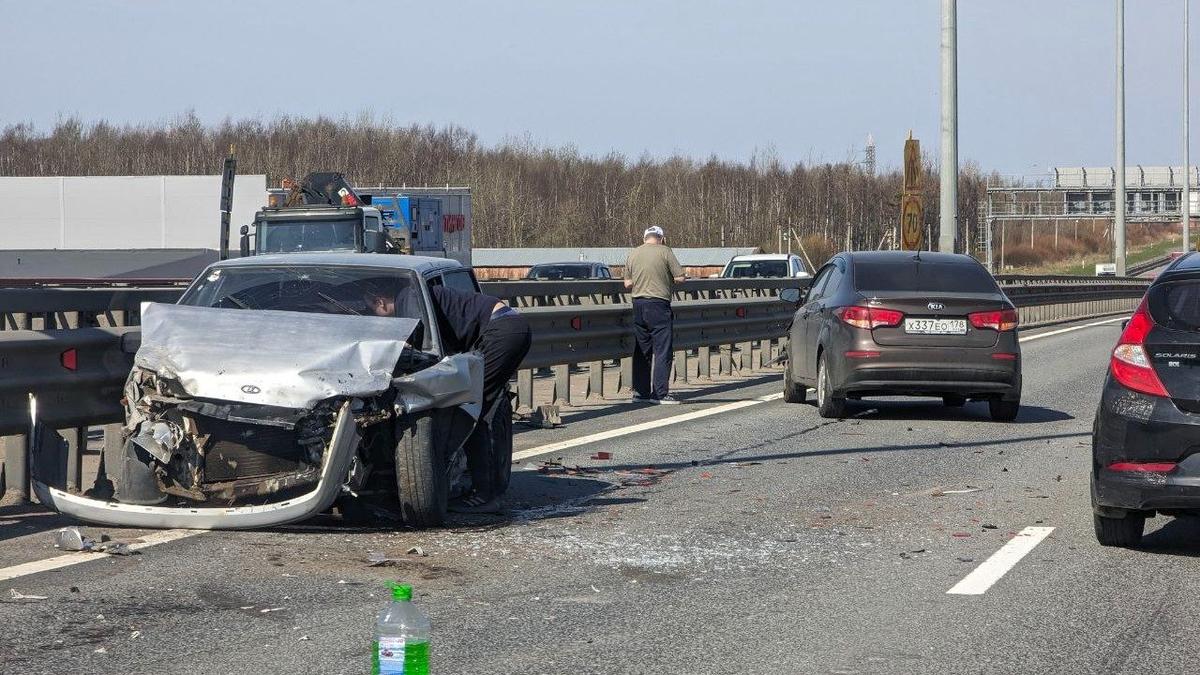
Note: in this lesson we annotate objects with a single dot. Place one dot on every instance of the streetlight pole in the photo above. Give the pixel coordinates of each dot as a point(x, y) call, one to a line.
point(1186, 203)
point(948, 203)
point(1119, 207)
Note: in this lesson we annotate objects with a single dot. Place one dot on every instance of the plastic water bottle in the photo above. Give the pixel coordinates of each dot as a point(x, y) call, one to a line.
point(401, 637)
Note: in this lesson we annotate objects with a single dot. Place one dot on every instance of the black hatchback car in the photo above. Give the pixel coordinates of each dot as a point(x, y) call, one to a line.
point(1146, 436)
point(899, 323)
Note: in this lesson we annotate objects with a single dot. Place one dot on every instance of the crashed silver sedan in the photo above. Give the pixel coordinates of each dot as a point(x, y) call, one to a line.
point(272, 391)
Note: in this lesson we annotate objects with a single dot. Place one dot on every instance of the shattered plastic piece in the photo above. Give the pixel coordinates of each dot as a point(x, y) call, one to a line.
point(135, 634)
point(21, 596)
point(71, 539)
point(602, 455)
point(989, 526)
point(74, 589)
point(964, 559)
point(377, 560)
point(416, 550)
point(119, 548)
point(247, 607)
point(100, 650)
point(303, 638)
point(271, 609)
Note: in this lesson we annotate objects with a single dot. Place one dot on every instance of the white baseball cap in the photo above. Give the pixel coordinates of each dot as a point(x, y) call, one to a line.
point(653, 230)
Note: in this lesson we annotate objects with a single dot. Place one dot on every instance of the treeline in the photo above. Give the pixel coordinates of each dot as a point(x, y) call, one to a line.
point(523, 194)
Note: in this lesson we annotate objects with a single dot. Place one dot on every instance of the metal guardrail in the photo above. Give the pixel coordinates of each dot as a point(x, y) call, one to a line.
point(77, 372)
point(1153, 263)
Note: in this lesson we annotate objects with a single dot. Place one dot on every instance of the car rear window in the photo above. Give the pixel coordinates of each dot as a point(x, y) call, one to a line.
point(1177, 305)
point(931, 277)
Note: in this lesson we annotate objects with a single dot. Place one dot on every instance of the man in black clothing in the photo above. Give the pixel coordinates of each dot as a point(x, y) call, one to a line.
point(473, 321)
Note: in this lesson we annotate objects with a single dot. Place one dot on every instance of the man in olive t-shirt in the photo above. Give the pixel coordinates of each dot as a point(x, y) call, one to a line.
point(650, 272)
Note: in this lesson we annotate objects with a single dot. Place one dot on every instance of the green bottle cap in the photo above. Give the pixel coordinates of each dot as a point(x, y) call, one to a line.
point(401, 592)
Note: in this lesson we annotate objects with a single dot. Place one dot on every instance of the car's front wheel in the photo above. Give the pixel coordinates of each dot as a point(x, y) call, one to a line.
point(793, 391)
point(421, 473)
point(1125, 532)
point(828, 405)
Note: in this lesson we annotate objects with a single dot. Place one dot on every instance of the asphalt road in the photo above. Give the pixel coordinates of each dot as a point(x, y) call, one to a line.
point(763, 539)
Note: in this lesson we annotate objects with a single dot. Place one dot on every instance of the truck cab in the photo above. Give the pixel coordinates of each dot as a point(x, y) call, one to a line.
point(312, 228)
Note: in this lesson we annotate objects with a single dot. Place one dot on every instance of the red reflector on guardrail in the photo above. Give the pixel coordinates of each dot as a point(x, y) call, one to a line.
point(68, 359)
point(577, 322)
point(740, 312)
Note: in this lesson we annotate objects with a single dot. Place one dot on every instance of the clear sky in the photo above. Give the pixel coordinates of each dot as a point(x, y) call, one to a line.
point(808, 78)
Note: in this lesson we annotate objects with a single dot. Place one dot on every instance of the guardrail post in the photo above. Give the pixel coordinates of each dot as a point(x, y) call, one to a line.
point(704, 363)
point(595, 379)
point(562, 384)
point(625, 382)
point(746, 360)
point(726, 362)
point(16, 469)
point(76, 443)
point(679, 370)
point(524, 390)
point(764, 353)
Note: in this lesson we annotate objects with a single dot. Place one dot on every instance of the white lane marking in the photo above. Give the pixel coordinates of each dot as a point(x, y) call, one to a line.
point(995, 567)
point(1072, 328)
point(58, 562)
point(644, 426)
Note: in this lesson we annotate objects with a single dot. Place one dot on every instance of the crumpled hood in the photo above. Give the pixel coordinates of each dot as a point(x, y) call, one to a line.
point(288, 359)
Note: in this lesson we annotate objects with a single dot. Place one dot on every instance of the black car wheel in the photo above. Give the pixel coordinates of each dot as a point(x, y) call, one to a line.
point(1125, 532)
point(421, 473)
point(954, 401)
point(1002, 410)
point(793, 391)
point(828, 405)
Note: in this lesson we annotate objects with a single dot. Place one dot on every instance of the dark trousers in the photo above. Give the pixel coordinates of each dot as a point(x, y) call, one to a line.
point(504, 343)
point(652, 332)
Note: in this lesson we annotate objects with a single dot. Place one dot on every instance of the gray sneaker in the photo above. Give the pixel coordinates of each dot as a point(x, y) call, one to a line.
point(667, 400)
point(638, 398)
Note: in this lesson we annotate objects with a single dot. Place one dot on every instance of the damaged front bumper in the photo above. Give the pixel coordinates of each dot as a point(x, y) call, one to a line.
point(335, 465)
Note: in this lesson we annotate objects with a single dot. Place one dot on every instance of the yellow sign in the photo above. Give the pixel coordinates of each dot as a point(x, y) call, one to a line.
point(912, 164)
point(912, 228)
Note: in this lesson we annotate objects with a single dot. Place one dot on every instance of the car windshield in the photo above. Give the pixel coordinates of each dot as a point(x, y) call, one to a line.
point(290, 236)
point(757, 268)
point(924, 277)
point(560, 272)
point(306, 288)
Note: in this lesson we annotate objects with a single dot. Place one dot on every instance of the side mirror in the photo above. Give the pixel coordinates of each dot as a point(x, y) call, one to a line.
point(374, 242)
point(791, 295)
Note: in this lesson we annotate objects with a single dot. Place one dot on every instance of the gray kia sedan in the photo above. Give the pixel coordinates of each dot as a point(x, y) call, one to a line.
point(900, 323)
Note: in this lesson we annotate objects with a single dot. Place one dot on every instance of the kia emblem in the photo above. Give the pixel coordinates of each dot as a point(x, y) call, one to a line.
point(250, 389)
point(936, 306)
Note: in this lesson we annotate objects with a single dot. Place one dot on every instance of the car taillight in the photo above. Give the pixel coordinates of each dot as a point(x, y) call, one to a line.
point(869, 317)
point(1130, 363)
point(1001, 320)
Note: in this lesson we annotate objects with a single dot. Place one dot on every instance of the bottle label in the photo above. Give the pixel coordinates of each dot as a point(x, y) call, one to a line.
point(390, 654)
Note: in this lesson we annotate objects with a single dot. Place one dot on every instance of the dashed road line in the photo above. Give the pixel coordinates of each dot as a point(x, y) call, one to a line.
point(995, 567)
point(59, 562)
point(644, 426)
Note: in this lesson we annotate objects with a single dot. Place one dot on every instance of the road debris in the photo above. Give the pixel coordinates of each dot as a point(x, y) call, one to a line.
point(964, 559)
point(71, 539)
point(271, 609)
point(16, 595)
point(100, 650)
point(378, 560)
point(416, 550)
point(551, 466)
point(989, 526)
point(135, 635)
point(601, 455)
